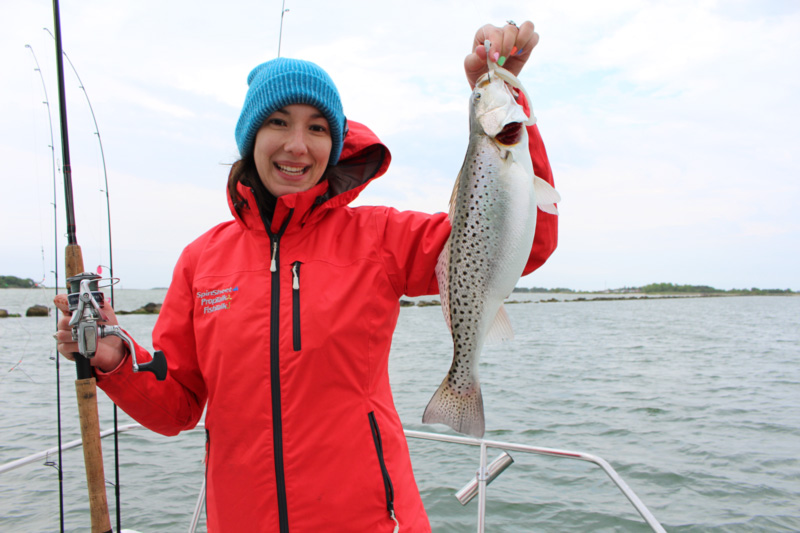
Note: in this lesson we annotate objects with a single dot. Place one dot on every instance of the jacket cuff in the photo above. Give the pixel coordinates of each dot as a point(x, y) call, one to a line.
point(101, 375)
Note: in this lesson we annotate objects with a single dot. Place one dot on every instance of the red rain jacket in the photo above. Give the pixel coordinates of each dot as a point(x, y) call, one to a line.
point(293, 362)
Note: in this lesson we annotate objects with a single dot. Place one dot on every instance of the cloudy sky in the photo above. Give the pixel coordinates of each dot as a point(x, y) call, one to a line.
point(672, 127)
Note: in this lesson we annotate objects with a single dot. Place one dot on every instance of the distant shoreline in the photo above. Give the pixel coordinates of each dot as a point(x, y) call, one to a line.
point(566, 297)
point(628, 297)
point(13, 282)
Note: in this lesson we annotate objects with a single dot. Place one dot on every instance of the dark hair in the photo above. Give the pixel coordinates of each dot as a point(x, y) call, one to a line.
point(242, 171)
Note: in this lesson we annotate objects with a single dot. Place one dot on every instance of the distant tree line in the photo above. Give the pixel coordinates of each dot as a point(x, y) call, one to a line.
point(756, 291)
point(541, 289)
point(13, 282)
point(667, 288)
point(705, 289)
point(671, 287)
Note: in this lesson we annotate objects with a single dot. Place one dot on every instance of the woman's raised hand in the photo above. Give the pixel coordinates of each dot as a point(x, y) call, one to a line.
point(511, 46)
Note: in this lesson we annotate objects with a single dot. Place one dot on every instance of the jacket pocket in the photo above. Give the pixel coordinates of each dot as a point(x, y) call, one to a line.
point(296, 305)
point(387, 481)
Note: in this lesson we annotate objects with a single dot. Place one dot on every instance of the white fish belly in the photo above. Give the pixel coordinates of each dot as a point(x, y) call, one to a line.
point(490, 242)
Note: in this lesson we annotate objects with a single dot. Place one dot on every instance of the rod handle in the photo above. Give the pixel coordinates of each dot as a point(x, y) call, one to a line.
point(86, 390)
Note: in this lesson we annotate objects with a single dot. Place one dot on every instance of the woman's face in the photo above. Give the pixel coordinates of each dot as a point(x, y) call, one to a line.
point(292, 149)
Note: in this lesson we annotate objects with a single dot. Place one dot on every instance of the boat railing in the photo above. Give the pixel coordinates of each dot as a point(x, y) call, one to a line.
point(485, 473)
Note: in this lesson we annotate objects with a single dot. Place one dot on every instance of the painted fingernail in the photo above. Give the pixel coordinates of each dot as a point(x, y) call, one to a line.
point(519, 52)
point(55, 336)
point(513, 51)
point(496, 56)
point(501, 61)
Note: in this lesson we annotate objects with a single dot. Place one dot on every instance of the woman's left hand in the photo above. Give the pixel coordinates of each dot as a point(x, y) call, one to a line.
point(110, 350)
point(511, 46)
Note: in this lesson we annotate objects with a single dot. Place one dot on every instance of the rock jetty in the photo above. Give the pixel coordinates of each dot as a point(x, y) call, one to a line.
point(148, 309)
point(38, 310)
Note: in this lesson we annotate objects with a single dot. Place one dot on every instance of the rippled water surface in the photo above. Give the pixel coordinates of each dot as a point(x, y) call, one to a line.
point(694, 401)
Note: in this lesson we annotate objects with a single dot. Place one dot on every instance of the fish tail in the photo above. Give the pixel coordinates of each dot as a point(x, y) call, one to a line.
point(462, 411)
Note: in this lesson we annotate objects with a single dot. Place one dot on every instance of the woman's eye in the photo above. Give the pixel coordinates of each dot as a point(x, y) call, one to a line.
point(276, 122)
point(318, 128)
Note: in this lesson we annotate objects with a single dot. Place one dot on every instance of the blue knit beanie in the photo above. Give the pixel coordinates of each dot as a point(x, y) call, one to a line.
point(282, 82)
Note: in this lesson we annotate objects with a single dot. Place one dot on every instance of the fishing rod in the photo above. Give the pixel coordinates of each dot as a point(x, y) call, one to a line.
point(280, 34)
point(85, 385)
point(103, 160)
point(117, 495)
point(55, 273)
point(85, 303)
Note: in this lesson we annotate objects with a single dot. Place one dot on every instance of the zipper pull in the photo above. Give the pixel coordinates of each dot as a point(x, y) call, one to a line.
point(272, 266)
point(397, 524)
point(295, 277)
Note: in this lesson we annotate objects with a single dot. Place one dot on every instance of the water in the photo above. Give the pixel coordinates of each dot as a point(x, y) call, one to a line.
point(695, 402)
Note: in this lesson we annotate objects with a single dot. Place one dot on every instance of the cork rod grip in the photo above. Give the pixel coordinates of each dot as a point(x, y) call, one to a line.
point(86, 390)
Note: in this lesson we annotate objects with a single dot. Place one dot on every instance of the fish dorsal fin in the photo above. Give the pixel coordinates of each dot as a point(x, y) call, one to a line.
point(500, 330)
point(546, 196)
point(443, 277)
point(452, 211)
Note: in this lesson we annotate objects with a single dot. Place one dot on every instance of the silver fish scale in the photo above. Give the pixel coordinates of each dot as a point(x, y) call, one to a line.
point(489, 242)
point(474, 254)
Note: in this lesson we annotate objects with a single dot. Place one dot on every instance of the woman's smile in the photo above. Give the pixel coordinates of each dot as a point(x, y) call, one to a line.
point(291, 170)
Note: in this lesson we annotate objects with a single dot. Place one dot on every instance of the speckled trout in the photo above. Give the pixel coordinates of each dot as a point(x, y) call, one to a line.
point(493, 217)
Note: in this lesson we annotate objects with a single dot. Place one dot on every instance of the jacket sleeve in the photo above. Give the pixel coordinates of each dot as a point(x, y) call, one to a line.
point(176, 404)
point(412, 242)
point(546, 238)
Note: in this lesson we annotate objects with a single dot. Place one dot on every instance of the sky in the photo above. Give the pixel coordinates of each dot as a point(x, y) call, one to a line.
point(672, 128)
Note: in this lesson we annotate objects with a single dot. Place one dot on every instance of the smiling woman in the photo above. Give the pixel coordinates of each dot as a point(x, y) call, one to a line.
point(293, 373)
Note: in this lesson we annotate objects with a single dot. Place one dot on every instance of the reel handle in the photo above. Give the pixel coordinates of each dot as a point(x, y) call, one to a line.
point(157, 366)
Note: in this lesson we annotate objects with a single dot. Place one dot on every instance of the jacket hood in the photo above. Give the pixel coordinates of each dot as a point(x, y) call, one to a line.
point(364, 158)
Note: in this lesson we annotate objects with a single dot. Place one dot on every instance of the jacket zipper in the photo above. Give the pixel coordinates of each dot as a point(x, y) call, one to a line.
point(207, 462)
point(387, 481)
point(275, 377)
point(296, 305)
point(208, 452)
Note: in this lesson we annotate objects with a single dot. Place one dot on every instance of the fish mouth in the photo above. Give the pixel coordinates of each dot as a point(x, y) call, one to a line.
point(510, 134)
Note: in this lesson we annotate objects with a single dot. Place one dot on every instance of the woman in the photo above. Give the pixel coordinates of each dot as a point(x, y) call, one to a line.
point(280, 321)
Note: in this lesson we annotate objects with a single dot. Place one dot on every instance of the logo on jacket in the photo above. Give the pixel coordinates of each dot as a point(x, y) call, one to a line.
point(216, 299)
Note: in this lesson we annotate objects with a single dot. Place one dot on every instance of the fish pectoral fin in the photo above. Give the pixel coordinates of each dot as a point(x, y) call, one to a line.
point(500, 330)
point(546, 196)
point(548, 208)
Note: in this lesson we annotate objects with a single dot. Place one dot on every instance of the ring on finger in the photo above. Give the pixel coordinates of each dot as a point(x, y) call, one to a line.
point(512, 23)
